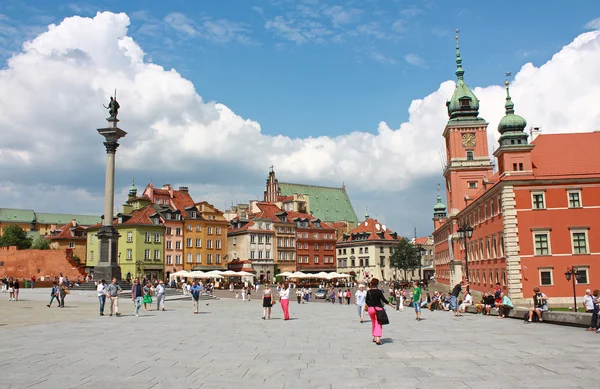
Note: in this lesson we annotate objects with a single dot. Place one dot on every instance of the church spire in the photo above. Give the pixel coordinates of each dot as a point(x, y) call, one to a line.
point(439, 209)
point(133, 189)
point(463, 105)
point(366, 213)
point(459, 69)
point(512, 126)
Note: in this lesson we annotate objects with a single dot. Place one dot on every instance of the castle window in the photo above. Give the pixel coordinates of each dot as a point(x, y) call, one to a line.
point(520, 166)
point(472, 184)
point(470, 155)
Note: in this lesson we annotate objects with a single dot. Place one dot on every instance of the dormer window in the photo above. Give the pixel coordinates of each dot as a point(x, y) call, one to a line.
point(178, 217)
point(168, 216)
point(465, 102)
point(194, 214)
point(156, 220)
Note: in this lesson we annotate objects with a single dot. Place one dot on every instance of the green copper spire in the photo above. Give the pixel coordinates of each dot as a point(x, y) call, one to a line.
point(512, 126)
point(439, 209)
point(132, 190)
point(366, 213)
point(463, 105)
point(459, 70)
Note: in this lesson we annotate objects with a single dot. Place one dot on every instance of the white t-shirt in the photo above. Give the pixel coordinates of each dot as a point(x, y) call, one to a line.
point(101, 289)
point(284, 294)
point(589, 303)
point(468, 299)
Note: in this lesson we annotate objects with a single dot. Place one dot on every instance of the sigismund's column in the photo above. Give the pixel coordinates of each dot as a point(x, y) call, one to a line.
point(108, 266)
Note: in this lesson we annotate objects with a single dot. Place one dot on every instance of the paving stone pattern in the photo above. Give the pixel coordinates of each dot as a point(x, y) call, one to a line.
point(228, 345)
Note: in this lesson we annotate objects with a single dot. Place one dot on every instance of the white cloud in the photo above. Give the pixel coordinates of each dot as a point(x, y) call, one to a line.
point(216, 31)
point(299, 31)
point(415, 60)
point(593, 24)
point(51, 95)
point(341, 16)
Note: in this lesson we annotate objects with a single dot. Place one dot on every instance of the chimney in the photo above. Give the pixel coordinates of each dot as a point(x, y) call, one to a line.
point(184, 189)
point(534, 132)
point(74, 222)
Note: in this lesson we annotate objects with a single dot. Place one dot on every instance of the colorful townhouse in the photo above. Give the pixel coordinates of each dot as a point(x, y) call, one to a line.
point(527, 224)
point(42, 222)
point(141, 243)
point(70, 236)
point(205, 238)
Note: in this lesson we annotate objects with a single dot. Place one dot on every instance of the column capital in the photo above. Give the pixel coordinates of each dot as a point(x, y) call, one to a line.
point(111, 147)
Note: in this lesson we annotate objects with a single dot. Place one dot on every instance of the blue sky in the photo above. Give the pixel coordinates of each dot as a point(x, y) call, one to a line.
point(349, 78)
point(345, 72)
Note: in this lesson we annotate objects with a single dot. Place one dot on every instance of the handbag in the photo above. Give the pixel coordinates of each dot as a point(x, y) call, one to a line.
point(382, 317)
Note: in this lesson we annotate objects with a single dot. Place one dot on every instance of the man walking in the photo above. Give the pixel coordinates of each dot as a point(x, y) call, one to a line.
point(112, 291)
point(54, 294)
point(454, 298)
point(137, 294)
point(195, 291)
point(417, 292)
point(102, 295)
point(160, 296)
point(360, 297)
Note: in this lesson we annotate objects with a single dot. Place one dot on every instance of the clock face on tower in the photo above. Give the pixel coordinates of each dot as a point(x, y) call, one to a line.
point(468, 140)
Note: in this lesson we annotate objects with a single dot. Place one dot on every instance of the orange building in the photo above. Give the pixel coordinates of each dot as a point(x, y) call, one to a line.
point(205, 238)
point(70, 236)
point(532, 219)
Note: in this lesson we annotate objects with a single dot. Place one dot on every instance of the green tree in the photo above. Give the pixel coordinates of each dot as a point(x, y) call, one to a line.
point(15, 236)
point(404, 256)
point(39, 243)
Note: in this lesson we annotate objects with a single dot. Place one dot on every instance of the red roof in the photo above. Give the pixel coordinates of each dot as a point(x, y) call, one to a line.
point(566, 154)
point(297, 215)
point(181, 200)
point(285, 199)
point(370, 227)
point(421, 241)
point(66, 232)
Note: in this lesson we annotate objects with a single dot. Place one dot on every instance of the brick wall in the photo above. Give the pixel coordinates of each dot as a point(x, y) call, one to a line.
point(38, 263)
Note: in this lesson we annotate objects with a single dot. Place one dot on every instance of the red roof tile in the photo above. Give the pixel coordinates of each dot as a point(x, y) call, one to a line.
point(141, 216)
point(566, 154)
point(369, 226)
point(66, 232)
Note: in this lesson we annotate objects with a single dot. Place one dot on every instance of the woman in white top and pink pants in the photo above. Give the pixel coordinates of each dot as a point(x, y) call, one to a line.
point(284, 299)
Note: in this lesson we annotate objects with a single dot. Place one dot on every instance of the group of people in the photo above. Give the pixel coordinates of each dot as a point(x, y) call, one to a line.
point(268, 300)
point(303, 294)
point(11, 286)
point(591, 302)
point(140, 294)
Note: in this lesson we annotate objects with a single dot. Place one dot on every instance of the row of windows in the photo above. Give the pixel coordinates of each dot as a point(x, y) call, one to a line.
point(209, 258)
point(261, 254)
point(304, 259)
point(285, 242)
point(189, 243)
point(579, 242)
point(177, 260)
point(326, 246)
point(362, 262)
point(484, 212)
point(538, 199)
point(494, 247)
point(285, 256)
point(547, 276)
point(316, 235)
point(260, 238)
point(209, 230)
point(285, 230)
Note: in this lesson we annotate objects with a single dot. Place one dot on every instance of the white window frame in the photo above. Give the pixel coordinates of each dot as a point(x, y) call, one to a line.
point(169, 260)
point(535, 193)
point(569, 192)
point(218, 244)
point(188, 242)
point(147, 254)
point(587, 274)
point(198, 258)
point(157, 255)
point(218, 230)
point(188, 258)
point(129, 254)
point(157, 237)
point(198, 228)
point(546, 269)
point(541, 232)
point(71, 245)
point(587, 240)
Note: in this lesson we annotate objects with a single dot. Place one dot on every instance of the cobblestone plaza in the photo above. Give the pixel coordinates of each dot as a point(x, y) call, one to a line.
point(323, 346)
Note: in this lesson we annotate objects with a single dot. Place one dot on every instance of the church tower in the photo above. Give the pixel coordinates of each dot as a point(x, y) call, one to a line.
point(468, 161)
point(514, 154)
point(439, 212)
point(272, 191)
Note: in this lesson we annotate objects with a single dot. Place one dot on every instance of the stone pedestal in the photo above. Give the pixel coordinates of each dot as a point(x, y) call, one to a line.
point(108, 265)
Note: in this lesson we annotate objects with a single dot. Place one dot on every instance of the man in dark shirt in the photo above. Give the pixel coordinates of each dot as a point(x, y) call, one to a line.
point(490, 302)
point(454, 298)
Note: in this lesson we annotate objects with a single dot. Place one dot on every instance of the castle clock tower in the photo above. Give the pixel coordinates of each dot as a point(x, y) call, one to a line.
point(468, 162)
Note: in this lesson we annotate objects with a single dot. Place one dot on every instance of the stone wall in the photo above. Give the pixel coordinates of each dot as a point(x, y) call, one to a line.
point(39, 263)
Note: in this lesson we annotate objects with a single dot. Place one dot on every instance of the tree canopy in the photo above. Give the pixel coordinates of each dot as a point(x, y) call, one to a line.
point(40, 243)
point(15, 236)
point(405, 256)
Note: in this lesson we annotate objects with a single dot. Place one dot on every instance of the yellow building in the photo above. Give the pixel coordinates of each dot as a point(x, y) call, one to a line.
point(204, 238)
point(44, 223)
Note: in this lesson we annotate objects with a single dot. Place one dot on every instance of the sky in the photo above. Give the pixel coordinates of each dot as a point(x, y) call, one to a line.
point(215, 92)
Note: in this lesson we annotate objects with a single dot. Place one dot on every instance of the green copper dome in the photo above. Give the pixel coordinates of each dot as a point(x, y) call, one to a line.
point(512, 126)
point(439, 209)
point(463, 104)
point(133, 190)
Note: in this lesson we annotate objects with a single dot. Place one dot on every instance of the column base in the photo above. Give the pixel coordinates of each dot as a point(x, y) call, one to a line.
point(108, 265)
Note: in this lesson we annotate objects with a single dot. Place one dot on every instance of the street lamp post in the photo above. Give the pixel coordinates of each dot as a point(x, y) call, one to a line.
point(571, 274)
point(464, 234)
point(422, 252)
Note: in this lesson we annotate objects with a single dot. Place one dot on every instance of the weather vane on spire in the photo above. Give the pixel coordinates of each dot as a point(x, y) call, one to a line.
point(508, 74)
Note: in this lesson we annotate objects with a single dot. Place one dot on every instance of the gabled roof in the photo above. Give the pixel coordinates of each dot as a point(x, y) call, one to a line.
point(326, 203)
point(292, 216)
point(370, 230)
point(142, 216)
point(66, 232)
